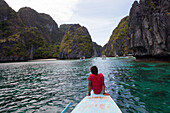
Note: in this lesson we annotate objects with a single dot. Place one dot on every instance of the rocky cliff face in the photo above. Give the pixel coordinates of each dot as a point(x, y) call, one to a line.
point(117, 44)
point(65, 28)
point(27, 35)
point(149, 23)
point(76, 43)
point(9, 21)
point(97, 49)
point(17, 42)
point(21, 46)
point(45, 24)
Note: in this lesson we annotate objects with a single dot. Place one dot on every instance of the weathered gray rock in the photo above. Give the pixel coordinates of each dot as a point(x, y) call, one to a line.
point(65, 28)
point(45, 24)
point(9, 21)
point(149, 23)
point(97, 49)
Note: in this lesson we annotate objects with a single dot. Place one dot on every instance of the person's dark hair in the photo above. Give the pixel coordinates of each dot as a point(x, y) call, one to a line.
point(94, 70)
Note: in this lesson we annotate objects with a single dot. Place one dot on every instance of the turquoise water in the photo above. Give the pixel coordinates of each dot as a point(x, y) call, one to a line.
point(47, 86)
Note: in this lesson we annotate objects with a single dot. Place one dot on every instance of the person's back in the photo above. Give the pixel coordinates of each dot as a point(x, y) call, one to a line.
point(96, 82)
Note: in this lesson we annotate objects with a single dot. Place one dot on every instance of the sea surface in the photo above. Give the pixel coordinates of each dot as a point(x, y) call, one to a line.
point(48, 86)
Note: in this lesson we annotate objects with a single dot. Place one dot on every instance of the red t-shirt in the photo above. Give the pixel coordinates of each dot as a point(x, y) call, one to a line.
point(96, 82)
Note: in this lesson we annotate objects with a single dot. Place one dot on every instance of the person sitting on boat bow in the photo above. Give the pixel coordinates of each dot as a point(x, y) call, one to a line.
point(96, 82)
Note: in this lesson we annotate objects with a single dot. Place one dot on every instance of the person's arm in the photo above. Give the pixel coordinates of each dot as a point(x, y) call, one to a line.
point(89, 88)
point(103, 89)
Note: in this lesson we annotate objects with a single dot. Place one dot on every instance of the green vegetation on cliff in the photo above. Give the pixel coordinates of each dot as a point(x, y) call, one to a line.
point(67, 42)
point(82, 42)
point(44, 22)
point(28, 43)
point(76, 41)
point(9, 21)
point(27, 34)
point(22, 44)
point(117, 44)
point(65, 28)
point(47, 51)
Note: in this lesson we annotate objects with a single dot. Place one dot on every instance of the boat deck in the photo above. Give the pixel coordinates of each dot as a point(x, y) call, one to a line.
point(97, 104)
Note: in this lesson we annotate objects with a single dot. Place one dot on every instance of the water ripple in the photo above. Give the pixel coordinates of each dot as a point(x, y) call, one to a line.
point(48, 86)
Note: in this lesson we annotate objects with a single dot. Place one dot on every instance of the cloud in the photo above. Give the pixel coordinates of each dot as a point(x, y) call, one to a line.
point(60, 10)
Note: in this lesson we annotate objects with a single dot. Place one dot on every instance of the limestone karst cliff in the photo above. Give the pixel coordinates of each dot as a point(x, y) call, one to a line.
point(27, 34)
point(97, 49)
point(76, 43)
point(45, 24)
point(117, 44)
point(145, 33)
point(148, 27)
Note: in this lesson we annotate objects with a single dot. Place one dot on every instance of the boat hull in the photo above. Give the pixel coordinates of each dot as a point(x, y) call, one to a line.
point(97, 104)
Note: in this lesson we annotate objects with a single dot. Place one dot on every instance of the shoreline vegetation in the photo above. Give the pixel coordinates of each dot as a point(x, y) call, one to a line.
point(118, 57)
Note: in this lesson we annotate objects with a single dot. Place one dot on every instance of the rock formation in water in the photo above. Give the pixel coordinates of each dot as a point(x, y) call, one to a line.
point(117, 44)
point(149, 23)
point(145, 33)
point(64, 28)
point(97, 49)
point(27, 34)
point(76, 43)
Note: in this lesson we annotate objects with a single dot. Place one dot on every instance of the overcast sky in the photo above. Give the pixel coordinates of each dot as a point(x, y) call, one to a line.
point(100, 17)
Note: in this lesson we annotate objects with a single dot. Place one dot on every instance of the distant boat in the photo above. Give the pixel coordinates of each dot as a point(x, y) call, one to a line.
point(97, 104)
point(129, 55)
point(116, 56)
point(83, 58)
point(103, 57)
